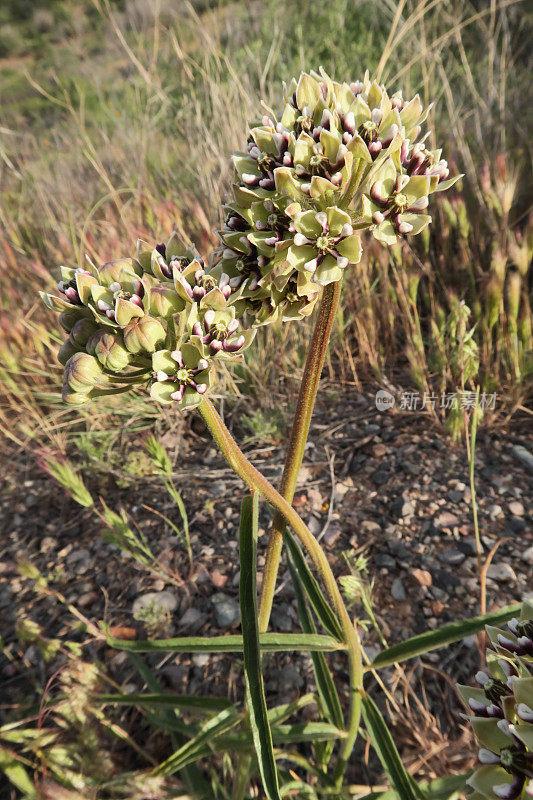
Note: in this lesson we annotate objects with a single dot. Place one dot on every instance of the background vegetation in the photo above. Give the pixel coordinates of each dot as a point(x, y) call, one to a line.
point(116, 120)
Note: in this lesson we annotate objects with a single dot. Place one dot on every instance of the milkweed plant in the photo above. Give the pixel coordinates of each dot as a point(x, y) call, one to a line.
point(342, 162)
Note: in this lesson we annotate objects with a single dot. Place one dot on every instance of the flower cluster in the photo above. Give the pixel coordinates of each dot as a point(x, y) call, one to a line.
point(502, 709)
point(341, 158)
point(158, 320)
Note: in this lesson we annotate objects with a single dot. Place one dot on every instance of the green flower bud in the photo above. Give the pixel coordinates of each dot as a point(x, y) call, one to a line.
point(66, 351)
point(144, 334)
point(81, 332)
point(68, 319)
point(164, 301)
point(109, 349)
point(82, 373)
point(74, 399)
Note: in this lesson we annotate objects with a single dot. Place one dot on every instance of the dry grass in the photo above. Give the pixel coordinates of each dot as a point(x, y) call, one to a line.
point(147, 152)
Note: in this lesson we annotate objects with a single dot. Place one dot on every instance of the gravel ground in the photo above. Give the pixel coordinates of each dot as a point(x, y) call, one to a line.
point(386, 485)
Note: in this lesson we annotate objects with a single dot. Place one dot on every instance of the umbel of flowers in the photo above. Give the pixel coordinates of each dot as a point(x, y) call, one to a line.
point(502, 713)
point(341, 158)
point(157, 320)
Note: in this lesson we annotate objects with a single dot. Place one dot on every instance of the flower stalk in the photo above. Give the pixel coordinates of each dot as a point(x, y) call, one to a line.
point(255, 480)
point(316, 355)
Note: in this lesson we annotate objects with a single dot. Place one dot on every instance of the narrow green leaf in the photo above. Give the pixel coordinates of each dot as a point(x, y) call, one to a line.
point(324, 681)
point(430, 640)
point(255, 693)
point(269, 642)
point(279, 714)
point(199, 746)
point(145, 672)
point(290, 788)
point(313, 591)
point(449, 788)
point(184, 702)
point(387, 753)
point(282, 735)
point(306, 732)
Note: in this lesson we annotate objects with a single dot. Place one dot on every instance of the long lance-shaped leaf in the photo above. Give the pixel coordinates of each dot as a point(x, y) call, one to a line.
point(199, 746)
point(167, 700)
point(430, 640)
point(268, 642)
point(324, 681)
point(255, 693)
point(313, 591)
point(387, 753)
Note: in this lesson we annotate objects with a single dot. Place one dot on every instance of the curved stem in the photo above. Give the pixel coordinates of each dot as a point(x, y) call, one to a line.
point(255, 480)
point(300, 428)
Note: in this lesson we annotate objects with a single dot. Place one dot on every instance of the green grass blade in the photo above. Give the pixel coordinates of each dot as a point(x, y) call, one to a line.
point(269, 642)
point(279, 714)
point(167, 700)
point(255, 693)
point(306, 732)
point(430, 640)
point(145, 672)
point(324, 681)
point(313, 591)
point(198, 746)
point(282, 735)
point(387, 753)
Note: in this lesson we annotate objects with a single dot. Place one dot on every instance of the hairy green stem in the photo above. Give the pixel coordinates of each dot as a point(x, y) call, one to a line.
point(255, 480)
point(316, 355)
